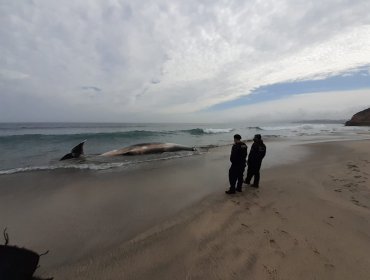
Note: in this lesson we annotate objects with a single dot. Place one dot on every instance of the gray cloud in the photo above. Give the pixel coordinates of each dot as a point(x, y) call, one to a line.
point(96, 89)
point(167, 57)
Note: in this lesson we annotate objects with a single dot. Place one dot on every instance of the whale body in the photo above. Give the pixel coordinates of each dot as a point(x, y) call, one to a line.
point(148, 148)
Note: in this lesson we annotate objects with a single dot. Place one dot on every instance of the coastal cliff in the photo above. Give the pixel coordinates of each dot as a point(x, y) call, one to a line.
point(360, 119)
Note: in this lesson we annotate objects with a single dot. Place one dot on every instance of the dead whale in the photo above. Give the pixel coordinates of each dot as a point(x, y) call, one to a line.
point(76, 152)
point(148, 148)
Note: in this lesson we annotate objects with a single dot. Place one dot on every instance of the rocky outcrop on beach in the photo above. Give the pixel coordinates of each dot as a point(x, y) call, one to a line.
point(360, 119)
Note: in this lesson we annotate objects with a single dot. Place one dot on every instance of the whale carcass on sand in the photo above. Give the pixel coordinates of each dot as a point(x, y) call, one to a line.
point(148, 148)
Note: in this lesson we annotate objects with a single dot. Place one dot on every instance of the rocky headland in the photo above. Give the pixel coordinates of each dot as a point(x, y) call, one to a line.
point(360, 119)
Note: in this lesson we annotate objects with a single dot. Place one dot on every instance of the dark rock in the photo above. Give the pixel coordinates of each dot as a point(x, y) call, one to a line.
point(360, 119)
point(17, 263)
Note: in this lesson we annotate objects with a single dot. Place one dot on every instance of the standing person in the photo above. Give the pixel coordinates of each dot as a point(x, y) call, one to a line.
point(257, 153)
point(238, 160)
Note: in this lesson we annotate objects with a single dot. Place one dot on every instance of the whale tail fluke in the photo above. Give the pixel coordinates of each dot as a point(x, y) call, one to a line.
point(76, 152)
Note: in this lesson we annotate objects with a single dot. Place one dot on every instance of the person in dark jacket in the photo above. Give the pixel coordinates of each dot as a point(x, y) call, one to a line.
point(238, 162)
point(257, 153)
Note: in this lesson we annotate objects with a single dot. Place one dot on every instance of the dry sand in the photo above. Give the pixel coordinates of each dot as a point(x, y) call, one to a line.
point(309, 220)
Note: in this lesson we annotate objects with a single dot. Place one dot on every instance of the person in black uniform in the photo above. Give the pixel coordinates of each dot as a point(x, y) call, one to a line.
point(238, 161)
point(257, 153)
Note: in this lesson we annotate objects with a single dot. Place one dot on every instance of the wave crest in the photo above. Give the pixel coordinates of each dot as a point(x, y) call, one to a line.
point(201, 131)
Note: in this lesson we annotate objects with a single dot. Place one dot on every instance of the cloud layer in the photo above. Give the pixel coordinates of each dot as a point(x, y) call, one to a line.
point(148, 60)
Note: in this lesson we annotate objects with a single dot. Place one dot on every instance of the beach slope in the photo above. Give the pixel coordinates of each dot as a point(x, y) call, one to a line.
point(307, 221)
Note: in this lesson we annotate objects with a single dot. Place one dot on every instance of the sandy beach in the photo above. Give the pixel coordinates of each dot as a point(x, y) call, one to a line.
point(310, 219)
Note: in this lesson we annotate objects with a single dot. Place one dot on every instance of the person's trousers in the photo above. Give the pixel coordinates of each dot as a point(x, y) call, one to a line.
point(236, 176)
point(253, 171)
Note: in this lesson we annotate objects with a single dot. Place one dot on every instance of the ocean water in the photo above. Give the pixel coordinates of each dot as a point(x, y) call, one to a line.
point(28, 147)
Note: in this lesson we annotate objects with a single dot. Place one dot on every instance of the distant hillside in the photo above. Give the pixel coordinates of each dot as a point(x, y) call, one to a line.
point(360, 119)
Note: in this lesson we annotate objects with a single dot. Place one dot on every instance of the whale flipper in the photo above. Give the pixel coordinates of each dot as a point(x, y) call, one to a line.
point(76, 152)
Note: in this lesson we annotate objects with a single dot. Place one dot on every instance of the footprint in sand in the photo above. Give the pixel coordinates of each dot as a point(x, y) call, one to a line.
point(277, 213)
point(316, 251)
point(351, 165)
point(338, 190)
point(248, 228)
point(272, 272)
point(255, 193)
point(284, 232)
point(236, 202)
point(267, 233)
point(280, 253)
point(312, 247)
point(357, 202)
point(273, 244)
point(326, 222)
point(329, 266)
point(334, 178)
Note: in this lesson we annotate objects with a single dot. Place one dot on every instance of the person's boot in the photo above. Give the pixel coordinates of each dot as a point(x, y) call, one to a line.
point(255, 186)
point(239, 189)
point(230, 191)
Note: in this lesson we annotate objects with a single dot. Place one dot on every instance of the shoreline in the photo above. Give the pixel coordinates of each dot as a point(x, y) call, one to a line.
point(201, 227)
point(114, 164)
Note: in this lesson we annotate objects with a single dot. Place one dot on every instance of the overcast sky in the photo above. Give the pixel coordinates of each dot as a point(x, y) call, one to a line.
point(177, 60)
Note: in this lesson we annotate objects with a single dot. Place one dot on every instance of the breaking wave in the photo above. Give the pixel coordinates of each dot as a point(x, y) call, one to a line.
point(202, 131)
point(133, 134)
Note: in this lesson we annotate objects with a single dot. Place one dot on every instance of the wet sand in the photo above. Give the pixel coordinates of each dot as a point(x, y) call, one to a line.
point(309, 220)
